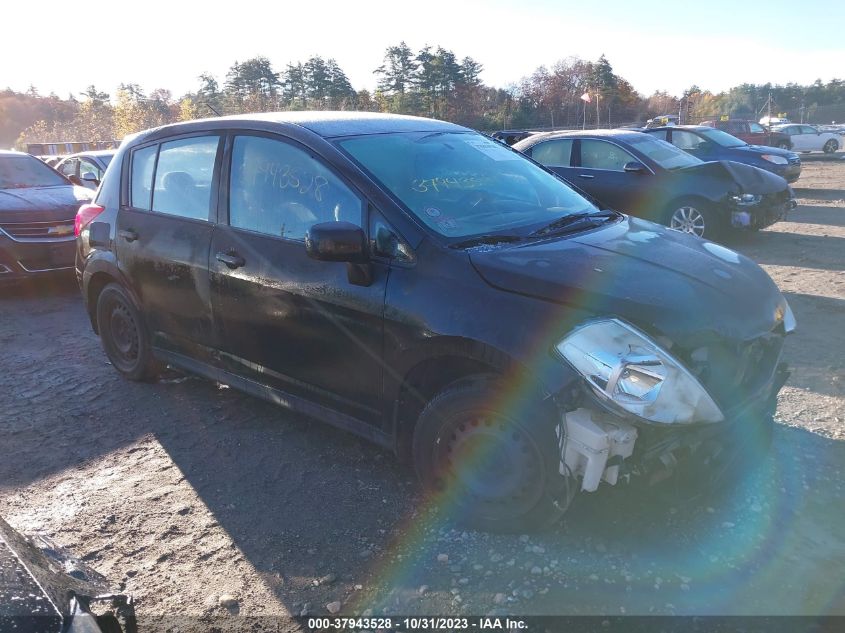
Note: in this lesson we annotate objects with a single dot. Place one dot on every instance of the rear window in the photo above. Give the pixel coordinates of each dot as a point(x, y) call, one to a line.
point(22, 172)
point(556, 153)
point(143, 166)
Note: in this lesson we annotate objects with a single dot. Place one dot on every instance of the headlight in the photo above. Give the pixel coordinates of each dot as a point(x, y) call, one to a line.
point(789, 322)
point(626, 368)
point(746, 199)
point(777, 160)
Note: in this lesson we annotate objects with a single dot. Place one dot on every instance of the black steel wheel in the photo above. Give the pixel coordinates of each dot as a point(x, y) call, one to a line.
point(123, 335)
point(494, 470)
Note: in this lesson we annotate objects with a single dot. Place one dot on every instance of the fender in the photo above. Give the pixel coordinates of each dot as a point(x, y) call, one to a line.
point(104, 262)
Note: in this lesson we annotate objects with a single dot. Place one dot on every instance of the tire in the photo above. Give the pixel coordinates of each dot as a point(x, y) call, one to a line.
point(493, 469)
point(124, 336)
point(783, 145)
point(696, 217)
point(830, 147)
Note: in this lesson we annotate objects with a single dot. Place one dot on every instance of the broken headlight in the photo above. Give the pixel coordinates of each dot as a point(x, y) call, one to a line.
point(629, 370)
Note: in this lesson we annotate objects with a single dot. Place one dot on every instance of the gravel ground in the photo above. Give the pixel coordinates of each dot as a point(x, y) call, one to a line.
point(204, 502)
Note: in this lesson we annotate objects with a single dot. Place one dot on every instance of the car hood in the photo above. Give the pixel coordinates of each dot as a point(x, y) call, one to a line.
point(24, 204)
point(665, 282)
point(758, 150)
point(746, 178)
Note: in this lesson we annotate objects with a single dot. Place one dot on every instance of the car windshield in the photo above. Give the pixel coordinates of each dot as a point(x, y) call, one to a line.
point(721, 138)
point(664, 154)
point(464, 184)
point(21, 172)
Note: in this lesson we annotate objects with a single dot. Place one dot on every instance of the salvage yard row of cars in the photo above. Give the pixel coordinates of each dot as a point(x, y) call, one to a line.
point(340, 264)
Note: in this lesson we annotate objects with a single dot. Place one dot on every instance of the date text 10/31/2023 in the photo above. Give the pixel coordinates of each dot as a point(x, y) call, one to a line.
point(486, 623)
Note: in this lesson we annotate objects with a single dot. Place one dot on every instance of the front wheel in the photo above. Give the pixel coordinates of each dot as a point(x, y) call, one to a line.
point(696, 217)
point(830, 147)
point(494, 468)
point(123, 335)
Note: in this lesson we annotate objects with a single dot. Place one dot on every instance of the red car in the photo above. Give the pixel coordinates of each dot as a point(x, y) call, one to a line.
point(752, 133)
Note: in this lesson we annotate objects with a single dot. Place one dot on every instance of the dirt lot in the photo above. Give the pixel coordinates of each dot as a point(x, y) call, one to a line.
point(185, 491)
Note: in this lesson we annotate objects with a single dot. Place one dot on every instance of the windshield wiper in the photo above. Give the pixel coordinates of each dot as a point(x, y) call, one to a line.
point(492, 239)
point(576, 221)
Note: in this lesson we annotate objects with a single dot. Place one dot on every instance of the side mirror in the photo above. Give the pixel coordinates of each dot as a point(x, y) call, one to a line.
point(635, 167)
point(75, 180)
point(336, 242)
point(90, 177)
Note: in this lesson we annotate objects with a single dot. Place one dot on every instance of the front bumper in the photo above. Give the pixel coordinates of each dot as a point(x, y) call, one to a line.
point(761, 215)
point(702, 454)
point(24, 259)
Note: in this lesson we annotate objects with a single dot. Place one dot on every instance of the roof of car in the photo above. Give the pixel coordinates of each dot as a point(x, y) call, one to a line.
point(330, 124)
point(617, 134)
point(683, 127)
point(12, 152)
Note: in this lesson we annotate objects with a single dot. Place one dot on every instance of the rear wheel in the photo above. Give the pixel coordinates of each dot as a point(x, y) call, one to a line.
point(696, 217)
point(494, 469)
point(830, 147)
point(123, 335)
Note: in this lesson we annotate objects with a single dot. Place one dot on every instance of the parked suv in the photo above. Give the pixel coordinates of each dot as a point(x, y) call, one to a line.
point(752, 133)
point(433, 290)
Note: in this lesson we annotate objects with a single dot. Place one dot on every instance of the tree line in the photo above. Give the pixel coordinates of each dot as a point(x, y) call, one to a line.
point(431, 81)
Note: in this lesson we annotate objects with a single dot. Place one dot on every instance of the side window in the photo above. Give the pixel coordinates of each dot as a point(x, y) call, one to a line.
point(69, 167)
point(281, 190)
point(553, 153)
point(660, 134)
point(86, 167)
point(141, 179)
point(183, 177)
point(756, 128)
point(686, 140)
point(735, 127)
point(806, 129)
point(603, 155)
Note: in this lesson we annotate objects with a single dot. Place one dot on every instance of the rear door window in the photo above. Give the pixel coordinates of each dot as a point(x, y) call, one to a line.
point(281, 190)
point(183, 177)
point(556, 153)
point(597, 154)
point(686, 141)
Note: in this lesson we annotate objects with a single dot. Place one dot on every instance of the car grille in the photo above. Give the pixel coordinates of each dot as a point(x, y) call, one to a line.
point(39, 231)
point(735, 373)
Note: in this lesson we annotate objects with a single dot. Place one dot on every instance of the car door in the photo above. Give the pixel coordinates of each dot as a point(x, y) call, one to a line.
point(600, 171)
point(811, 138)
point(163, 238)
point(800, 141)
point(306, 327)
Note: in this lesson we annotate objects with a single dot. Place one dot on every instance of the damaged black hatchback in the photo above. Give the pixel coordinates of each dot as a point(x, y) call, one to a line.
point(433, 290)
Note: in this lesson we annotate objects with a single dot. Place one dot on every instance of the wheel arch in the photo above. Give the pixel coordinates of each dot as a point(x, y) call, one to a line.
point(97, 275)
point(444, 362)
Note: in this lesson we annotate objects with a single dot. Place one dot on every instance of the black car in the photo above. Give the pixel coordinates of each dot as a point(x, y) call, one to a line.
point(37, 211)
point(433, 290)
point(641, 175)
point(708, 143)
point(45, 589)
point(86, 168)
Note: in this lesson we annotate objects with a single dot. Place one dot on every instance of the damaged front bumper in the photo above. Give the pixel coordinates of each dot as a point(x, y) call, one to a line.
point(770, 209)
point(602, 446)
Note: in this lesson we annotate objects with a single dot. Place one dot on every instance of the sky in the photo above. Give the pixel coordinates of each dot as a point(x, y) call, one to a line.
point(63, 48)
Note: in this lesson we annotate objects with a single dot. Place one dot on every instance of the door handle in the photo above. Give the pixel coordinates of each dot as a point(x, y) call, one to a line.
point(128, 234)
point(587, 176)
point(232, 260)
